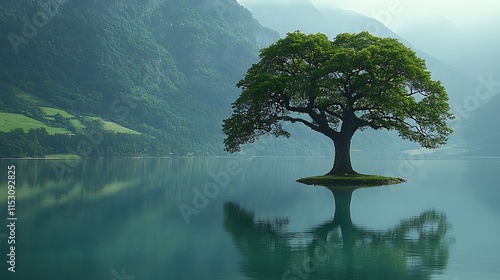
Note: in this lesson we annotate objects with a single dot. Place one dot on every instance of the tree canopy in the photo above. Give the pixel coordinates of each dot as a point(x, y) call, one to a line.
point(356, 81)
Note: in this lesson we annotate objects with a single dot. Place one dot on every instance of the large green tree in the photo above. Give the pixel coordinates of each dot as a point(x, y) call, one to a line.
point(336, 88)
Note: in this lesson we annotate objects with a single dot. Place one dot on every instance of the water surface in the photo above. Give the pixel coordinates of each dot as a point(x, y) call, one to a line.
point(231, 218)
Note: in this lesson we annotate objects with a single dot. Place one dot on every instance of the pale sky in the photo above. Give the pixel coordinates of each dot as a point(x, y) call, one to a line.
point(396, 13)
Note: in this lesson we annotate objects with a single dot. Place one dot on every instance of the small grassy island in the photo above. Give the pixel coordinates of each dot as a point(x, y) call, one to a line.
point(351, 180)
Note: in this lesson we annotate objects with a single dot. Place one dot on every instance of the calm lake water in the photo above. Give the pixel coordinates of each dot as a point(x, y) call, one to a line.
point(227, 218)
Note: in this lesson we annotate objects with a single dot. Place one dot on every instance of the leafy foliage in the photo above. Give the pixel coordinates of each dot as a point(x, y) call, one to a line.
point(356, 81)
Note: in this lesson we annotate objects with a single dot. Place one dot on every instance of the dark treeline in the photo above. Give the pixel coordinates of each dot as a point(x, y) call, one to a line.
point(91, 143)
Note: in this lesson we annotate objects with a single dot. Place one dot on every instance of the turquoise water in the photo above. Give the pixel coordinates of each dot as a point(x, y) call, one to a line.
point(226, 218)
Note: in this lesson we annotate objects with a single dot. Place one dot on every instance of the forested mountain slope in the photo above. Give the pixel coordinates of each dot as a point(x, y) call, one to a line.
point(165, 69)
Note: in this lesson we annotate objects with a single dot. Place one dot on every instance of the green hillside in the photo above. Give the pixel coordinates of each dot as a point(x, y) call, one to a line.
point(9, 122)
point(159, 69)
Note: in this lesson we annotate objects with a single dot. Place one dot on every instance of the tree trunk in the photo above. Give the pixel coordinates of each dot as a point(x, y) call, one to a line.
point(342, 163)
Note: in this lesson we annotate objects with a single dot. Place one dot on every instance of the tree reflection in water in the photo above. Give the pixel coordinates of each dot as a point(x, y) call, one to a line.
point(416, 248)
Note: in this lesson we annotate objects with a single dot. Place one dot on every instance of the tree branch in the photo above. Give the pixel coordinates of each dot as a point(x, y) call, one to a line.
point(333, 114)
point(309, 124)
